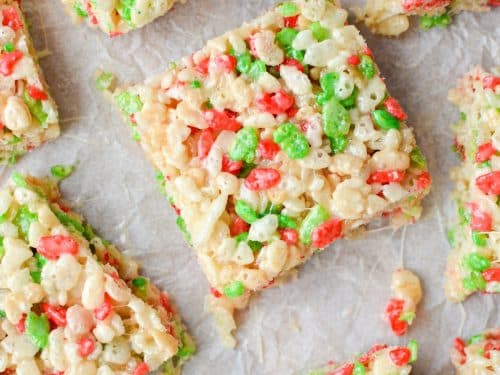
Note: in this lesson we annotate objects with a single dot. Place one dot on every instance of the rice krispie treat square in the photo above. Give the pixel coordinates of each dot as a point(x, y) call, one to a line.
point(478, 355)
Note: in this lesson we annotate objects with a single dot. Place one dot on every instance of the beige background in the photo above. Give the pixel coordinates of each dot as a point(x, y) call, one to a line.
point(334, 308)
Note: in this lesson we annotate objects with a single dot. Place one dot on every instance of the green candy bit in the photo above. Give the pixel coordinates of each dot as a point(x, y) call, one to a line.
point(69, 222)
point(140, 283)
point(105, 81)
point(129, 103)
point(475, 282)
point(385, 120)
point(36, 276)
point(244, 145)
point(485, 164)
point(316, 216)
point(286, 36)
point(8, 47)
point(187, 347)
point(339, 143)
point(195, 84)
point(37, 329)
point(336, 119)
point(359, 369)
point(181, 223)
point(255, 245)
point(274, 209)
point(426, 22)
point(286, 222)
point(244, 62)
point(479, 239)
point(241, 237)
point(443, 20)
point(288, 9)
point(320, 33)
point(418, 158)
point(19, 180)
point(413, 347)
point(124, 12)
point(350, 102)
point(451, 237)
point(464, 215)
point(407, 317)
point(256, 69)
point(245, 211)
point(463, 116)
point(60, 171)
point(36, 108)
point(235, 289)
point(23, 220)
point(295, 54)
point(79, 10)
point(367, 67)
point(291, 141)
point(323, 97)
point(41, 261)
point(477, 262)
point(2, 314)
point(247, 168)
point(328, 81)
point(476, 338)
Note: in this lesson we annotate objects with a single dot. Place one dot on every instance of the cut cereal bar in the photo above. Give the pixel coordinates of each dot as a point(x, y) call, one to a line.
point(473, 264)
point(28, 115)
point(116, 17)
point(379, 360)
point(392, 17)
point(69, 301)
point(479, 355)
point(273, 141)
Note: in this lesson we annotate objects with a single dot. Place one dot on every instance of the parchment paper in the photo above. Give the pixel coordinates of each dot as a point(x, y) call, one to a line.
point(334, 308)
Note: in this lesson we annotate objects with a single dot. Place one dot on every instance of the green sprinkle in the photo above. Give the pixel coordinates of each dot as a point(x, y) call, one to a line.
point(79, 10)
point(418, 158)
point(338, 143)
point(245, 211)
point(19, 180)
point(367, 67)
point(476, 338)
point(359, 369)
point(41, 261)
point(129, 103)
point(69, 222)
point(474, 282)
point(196, 84)
point(187, 347)
point(36, 108)
point(286, 222)
point(124, 11)
point(479, 239)
point(350, 102)
point(316, 216)
point(320, 33)
point(476, 262)
point(292, 141)
point(23, 220)
point(244, 145)
point(36, 276)
point(37, 329)
point(140, 283)
point(241, 237)
point(255, 245)
point(244, 62)
point(295, 54)
point(286, 36)
point(181, 223)
point(247, 168)
point(288, 9)
point(105, 81)
point(407, 317)
point(2, 314)
point(463, 116)
point(451, 237)
point(464, 215)
point(413, 347)
point(8, 47)
point(256, 69)
point(61, 171)
point(384, 120)
point(427, 22)
point(235, 289)
point(336, 119)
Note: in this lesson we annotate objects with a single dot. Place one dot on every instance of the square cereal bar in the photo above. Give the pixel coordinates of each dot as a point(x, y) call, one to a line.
point(392, 17)
point(116, 17)
point(70, 302)
point(275, 140)
point(28, 115)
point(473, 264)
point(479, 355)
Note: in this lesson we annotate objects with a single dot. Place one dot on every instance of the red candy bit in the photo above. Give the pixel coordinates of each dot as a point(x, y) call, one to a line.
point(262, 179)
point(275, 103)
point(492, 275)
point(21, 324)
point(291, 21)
point(489, 183)
point(386, 177)
point(353, 60)
point(231, 166)
point(400, 356)
point(202, 66)
point(409, 5)
point(368, 52)
point(114, 34)
point(205, 142)
point(485, 152)
point(36, 93)
point(238, 226)
point(11, 18)
point(141, 369)
point(293, 62)
point(225, 63)
point(346, 369)
point(480, 221)
point(494, 3)
point(92, 17)
point(491, 346)
point(324, 234)
point(251, 46)
point(366, 358)
point(289, 236)
point(395, 109)
point(459, 346)
point(56, 314)
point(8, 61)
point(52, 247)
point(85, 347)
point(103, 311)
point(165, 302)
point(393, 312)
point(221, 120)
point(215, 293)
point(491, 82)
point(267, 149)
point(424, 180)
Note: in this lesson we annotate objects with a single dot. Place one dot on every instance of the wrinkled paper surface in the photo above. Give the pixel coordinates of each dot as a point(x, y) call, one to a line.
point(334, 308)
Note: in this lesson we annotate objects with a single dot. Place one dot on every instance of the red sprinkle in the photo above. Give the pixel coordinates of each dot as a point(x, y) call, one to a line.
point(225, 63)
point(165, 302)
point(393, 312)
point(93, 18)
point(289, 235)
point(491, 82)
point(36, 93)
point(489, 183)
point(400, 356)
point(275, 103)
point(205, 142)
point(231, 166)
point(52, 247)
point(293, 62)
point(480, 221)
point(424, 180)
point(21, 325)
point(11, 18)
point(114, 34)
point(353, 60)
point(103, 311)
point(221, 120)
point(485, 152)
point(267, 149)
point(395, 109)
point(56, 314)
point(366, 358)
point(409, 5)
point(85, 347)
point(202, 66)
point(494, 3)
point(291, 21)
point(262, 179)
point(141, 369)
point(238, 226)
point(324, 234)
point(492, 275)
point(386, 177)
point(459, 346)
point(8, 61)
point(368, 52)
point(346, 369)
point(215, 293)
point(491, 346)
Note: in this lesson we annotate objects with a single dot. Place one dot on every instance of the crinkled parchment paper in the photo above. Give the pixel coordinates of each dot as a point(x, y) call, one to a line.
point(334, 307)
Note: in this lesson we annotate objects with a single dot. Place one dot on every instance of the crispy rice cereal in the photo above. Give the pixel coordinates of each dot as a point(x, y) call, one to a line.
point(273, 141)
point(406, 295)
point(473, 264)
point(70, 302)
point(379, 360)
point(392, 17)
point(28, 115)
point(116, 17)
point(480, 355)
